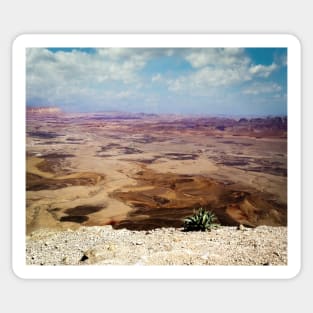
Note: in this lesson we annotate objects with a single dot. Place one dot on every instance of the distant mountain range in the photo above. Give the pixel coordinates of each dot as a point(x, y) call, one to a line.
point(107, 115)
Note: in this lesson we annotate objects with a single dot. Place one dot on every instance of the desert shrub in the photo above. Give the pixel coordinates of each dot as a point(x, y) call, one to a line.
point(202, 220)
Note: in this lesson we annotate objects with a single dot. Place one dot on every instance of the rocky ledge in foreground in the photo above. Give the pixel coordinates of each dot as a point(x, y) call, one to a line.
point(103, 245)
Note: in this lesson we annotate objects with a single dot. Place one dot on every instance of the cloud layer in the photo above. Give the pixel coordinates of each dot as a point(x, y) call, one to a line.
point(202, 80)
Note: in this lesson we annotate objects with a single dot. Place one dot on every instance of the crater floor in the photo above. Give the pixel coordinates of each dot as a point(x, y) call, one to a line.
point(148, 172)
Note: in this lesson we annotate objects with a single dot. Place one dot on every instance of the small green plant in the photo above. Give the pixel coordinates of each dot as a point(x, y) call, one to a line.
point(201, 221)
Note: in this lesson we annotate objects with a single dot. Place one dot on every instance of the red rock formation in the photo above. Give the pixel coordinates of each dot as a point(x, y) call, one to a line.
point(43, 110)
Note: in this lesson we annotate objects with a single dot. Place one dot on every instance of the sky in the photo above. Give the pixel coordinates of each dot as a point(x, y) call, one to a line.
point(212, 81)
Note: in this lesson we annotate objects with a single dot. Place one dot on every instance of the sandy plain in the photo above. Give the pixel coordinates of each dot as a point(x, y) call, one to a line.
point(145, 171)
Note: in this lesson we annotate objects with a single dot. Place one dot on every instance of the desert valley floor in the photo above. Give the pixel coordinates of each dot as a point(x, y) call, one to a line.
point(145, 171)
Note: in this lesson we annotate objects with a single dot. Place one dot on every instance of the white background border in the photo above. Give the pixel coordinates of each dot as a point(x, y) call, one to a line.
point(294, 156)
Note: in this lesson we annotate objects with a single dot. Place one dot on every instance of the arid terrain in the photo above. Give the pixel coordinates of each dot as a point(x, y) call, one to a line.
point(145, 171)
point(103, 245)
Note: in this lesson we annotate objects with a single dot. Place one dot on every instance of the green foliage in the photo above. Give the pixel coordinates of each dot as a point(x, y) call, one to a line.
point(201, 221)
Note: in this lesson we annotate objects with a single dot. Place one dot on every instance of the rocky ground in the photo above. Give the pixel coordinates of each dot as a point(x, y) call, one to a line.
point(104, 245)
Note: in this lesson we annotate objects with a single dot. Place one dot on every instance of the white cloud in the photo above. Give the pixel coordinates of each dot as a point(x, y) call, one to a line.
point(210, 77)
point(124, 94)
point(156, 78)
point(263, 70)
point(216, 57)
point(218, 68)
point(54, 76)
point(262, 88)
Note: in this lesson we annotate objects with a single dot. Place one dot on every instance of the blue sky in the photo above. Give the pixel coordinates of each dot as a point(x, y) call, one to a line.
point(231, 81)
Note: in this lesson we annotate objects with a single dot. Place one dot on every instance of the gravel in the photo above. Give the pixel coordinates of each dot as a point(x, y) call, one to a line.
point(103, 245)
